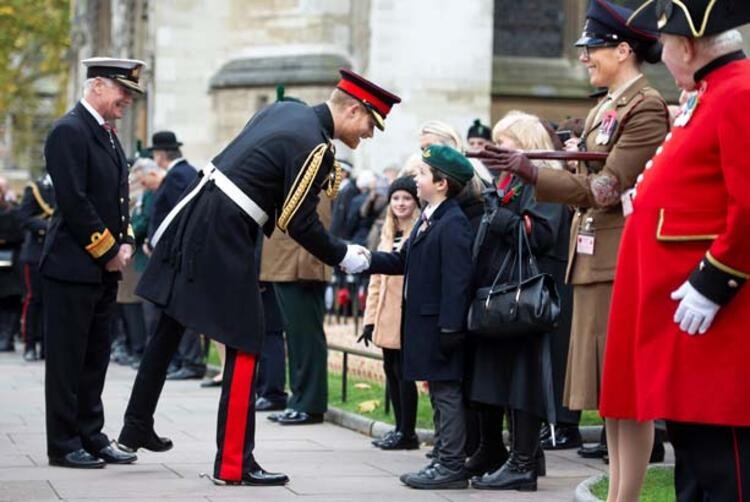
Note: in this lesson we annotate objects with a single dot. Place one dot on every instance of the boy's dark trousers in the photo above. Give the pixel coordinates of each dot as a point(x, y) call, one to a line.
point(450, 426)
point(272, 369)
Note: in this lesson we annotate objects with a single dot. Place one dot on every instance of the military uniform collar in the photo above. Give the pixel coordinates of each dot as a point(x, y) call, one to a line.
point(623, 94)
point(325, 118)
point(718, 63)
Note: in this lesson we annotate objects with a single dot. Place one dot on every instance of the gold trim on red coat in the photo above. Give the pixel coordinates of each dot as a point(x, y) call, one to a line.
point(725, 268)
point(660, 236)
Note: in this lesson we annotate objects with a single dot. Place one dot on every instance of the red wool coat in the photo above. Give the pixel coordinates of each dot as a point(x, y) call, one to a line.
point(692, 206)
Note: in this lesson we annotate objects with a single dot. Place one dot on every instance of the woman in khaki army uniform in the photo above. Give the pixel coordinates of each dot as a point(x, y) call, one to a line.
point(629, 123)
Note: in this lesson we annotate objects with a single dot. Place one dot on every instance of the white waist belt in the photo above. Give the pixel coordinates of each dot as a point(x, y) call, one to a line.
point(224, 184)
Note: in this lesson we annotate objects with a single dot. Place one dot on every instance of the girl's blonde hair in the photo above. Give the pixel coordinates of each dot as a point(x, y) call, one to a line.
point(527, 132)
point(445, 133)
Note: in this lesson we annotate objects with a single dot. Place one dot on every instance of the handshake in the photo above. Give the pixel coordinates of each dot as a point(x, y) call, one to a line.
point(357, 259)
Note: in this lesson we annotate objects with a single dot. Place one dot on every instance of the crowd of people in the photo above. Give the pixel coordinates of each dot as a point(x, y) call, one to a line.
point(148, 264)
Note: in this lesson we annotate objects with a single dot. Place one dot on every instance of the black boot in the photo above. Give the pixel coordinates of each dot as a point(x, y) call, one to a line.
point(657, 452)
point(491, 453)
point(520, 471)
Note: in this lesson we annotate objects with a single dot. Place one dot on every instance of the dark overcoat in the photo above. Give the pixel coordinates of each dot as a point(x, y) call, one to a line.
point(178, 178)
point(437, 268)
point(508, 371)
point(203, 271)
point(92, 216)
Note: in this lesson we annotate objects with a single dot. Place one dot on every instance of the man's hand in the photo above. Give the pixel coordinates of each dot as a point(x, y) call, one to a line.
point(357, 259)
point(121, 260)
point(366, 335)
point(512, 161)
point(695, 313)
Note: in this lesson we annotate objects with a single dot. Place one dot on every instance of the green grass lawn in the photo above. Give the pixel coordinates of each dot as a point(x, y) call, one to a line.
point(373, 392)
point(659, 486)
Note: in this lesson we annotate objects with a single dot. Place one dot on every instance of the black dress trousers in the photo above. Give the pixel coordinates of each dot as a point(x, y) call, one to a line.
point(77, 319)
point(712, 462)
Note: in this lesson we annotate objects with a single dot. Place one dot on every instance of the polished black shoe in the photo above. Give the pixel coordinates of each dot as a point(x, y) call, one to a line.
point(300, 418)
point(437, 477)
point(518, 473)
point(274, 417)
point(78, 459)
point(400, 442)
point(186, 374)
point(565, 439)
point(113, 454)
point(132, 442)
point(486, 460)
point(596, 451)
point(379, 441)
point(30, 355)
point(263, 404)
point(256, 476)
point(657, 453)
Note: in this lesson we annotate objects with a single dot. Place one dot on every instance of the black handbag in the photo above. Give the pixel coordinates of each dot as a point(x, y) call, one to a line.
point(525, 304)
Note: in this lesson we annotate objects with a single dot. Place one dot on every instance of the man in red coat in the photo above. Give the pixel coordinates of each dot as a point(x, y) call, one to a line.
point(677, 344)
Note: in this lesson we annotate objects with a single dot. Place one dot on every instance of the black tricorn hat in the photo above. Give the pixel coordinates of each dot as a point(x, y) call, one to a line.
point(695, 18)
point(164, 140)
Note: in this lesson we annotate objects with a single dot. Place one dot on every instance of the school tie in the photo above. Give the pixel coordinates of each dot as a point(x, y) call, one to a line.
point(425, 222)
point(110, 129)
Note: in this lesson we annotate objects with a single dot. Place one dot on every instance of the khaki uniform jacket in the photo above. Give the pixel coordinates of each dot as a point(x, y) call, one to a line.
point(283, 260)
point(384, 301)
point(642, 123)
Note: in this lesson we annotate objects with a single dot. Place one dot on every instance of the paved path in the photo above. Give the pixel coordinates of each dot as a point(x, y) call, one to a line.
point(325, 462)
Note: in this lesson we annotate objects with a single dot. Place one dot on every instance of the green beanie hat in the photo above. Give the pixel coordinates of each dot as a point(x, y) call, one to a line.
point(449, 161)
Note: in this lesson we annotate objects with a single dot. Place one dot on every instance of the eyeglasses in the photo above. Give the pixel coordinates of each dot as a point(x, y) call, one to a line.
point(586, 49)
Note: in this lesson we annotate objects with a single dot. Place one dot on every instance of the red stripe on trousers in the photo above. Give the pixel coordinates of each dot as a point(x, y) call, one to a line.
point(740, 497)
point(236, 421)
point(26, 302)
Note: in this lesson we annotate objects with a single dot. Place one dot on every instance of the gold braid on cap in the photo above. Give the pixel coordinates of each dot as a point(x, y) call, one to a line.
point(46, 209)
point(301, 186)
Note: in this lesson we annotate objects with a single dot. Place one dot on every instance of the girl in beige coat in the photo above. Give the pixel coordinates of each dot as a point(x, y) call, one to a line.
point(382, 323)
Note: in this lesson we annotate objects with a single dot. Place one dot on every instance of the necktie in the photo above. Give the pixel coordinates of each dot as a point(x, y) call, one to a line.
point(425, 222)
point(109, 128)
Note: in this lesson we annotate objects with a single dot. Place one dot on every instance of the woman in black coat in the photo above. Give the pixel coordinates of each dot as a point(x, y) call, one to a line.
point(506, 373)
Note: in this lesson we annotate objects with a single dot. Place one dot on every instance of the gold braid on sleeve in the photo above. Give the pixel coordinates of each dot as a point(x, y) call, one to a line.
point(46, 209)
point(301, 186)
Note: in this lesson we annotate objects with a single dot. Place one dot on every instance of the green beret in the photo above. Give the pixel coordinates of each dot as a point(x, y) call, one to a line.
point(449, 161)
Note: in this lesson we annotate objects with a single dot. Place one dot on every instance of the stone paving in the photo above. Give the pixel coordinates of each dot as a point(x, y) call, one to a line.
point(325, 462)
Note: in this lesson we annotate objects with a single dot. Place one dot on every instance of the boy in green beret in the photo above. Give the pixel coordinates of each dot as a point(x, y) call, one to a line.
point(437, 265)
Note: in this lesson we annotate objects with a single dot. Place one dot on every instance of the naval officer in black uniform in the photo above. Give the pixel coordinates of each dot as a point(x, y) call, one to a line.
point(87, 246)
point(203, 271)
point(34, 214)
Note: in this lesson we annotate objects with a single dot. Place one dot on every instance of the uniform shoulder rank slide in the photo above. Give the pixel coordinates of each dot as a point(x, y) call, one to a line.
point(101, 242)
point(607, 128)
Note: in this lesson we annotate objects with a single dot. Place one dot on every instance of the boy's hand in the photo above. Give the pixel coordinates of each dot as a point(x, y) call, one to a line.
point(451, 341)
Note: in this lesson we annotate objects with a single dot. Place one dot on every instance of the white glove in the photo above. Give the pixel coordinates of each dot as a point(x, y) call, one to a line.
point(695, 313)
point(357, 259)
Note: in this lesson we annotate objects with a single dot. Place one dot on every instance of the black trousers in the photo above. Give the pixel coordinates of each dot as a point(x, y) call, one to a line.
point(272, 368)
point(77, 319)
point(450, 426)
point(235, 431)
point(32, 305)
point(712, 462)
point(402, 393)
point(192, 352)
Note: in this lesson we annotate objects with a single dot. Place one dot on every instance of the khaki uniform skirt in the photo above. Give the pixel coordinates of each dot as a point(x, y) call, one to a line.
point(588, 333)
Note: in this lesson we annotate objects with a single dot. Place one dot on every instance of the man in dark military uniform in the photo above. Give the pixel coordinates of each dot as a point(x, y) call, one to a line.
point(203, 272)
point(87, 246)
point(34, 214)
